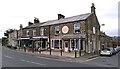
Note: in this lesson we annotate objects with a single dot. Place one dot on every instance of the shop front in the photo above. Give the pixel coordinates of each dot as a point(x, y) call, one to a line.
point(23, 42)
point(73, 42)
point(41, 42)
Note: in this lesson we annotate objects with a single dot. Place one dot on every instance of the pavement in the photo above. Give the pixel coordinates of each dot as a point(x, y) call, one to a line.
point(67, 57)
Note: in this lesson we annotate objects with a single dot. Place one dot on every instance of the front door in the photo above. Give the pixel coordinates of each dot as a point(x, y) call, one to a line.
point(66, 46)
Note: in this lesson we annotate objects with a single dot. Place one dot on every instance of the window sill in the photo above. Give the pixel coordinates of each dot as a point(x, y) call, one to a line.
point(77, 33)
point(56, 34)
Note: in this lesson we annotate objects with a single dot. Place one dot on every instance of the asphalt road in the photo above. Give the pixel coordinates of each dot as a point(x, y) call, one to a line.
point(109, 61)
point(14, 59)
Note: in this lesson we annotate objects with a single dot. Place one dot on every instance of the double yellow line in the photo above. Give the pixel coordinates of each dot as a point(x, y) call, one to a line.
point(66, 60)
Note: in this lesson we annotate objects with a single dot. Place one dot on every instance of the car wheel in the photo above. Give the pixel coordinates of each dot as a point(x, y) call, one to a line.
point(110, 54)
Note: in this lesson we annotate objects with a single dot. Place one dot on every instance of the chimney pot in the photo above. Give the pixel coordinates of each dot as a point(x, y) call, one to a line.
point(93, 8)
point(36, 20)
point(30, 23)
point(60, 16)
point(21, 26)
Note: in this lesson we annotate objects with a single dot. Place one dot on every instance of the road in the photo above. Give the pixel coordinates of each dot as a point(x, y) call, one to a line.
point(13, 59)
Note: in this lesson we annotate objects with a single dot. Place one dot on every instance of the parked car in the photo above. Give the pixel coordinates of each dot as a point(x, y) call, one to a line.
point(107, 51)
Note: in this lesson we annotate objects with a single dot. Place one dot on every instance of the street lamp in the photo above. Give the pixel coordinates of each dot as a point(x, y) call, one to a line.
point(100, 36)
point(102, 25)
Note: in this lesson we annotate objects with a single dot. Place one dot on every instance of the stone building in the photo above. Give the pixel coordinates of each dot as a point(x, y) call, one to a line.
point(80, 33)
point(106, 41)
point(12, 38)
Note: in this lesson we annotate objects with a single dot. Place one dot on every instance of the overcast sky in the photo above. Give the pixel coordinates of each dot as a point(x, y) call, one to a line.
point(16, 12)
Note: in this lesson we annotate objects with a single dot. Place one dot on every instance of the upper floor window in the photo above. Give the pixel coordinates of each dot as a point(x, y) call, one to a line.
point(93, 30)
point(77, 28)
point(34, 32)
point(56, 30)
point(27, 32)
point(42, 31)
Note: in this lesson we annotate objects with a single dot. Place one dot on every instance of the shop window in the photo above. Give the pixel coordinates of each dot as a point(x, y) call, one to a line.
point(56, 44)
point(77, 28)
point(56, 30)
point(72, 44)
point(60, 43)
point(82, 45)
point(77, 42)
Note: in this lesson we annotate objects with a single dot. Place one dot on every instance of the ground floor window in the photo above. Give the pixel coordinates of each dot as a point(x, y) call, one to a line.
point(93, 48)
point(56, 44)
point(72, 44)
point(75, 44)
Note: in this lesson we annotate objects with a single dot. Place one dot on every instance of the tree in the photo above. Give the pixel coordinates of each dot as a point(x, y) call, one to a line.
point(7, 32)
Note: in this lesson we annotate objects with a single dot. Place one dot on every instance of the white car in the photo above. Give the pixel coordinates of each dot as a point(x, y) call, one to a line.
point(107, 51)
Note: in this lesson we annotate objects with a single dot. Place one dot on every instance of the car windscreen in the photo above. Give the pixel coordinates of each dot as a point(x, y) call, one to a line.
point(106, 49)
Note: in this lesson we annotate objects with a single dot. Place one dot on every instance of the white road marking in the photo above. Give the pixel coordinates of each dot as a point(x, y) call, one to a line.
point(33, 62)
point(8, 56)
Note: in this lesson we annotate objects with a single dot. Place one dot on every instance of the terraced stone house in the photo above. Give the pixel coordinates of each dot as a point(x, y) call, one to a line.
point(80, 33)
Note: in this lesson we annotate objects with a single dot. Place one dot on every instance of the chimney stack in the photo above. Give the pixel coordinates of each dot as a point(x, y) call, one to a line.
point(21, 26)
point(60, 16)
point(93, 8)
point(36, 20)
point(30, 23)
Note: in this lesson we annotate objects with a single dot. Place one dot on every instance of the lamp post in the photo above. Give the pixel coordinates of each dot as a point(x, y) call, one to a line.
point(61, 50)
point(100, 36)
point(75, 49)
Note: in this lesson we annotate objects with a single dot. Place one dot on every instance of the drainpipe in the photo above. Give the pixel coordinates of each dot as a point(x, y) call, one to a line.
point(80, 47)
point(49, 40)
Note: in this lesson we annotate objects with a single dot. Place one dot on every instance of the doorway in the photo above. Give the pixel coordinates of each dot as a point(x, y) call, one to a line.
point(66, 46)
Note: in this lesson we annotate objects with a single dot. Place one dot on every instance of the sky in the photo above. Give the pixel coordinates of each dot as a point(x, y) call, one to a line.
point(16, 12)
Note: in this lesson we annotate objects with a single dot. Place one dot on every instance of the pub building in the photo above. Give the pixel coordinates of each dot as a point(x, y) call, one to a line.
point(76, 33)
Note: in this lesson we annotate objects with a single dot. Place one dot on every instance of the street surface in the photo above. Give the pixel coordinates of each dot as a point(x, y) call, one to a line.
point(15, 59)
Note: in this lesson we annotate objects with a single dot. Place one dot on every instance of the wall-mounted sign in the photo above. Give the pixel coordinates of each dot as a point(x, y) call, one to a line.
point(65, 29)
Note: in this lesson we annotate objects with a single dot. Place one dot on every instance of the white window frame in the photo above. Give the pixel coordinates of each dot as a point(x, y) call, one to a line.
point(75, 27)
point(56, 30)
point(53, 47)
point(93, 30)
point(42, 31)
point(27, 31)
point(34, 32)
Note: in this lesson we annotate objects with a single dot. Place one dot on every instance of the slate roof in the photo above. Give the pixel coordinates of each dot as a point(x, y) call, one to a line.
point(34, 25)
point(64, 20)
point(69, 19)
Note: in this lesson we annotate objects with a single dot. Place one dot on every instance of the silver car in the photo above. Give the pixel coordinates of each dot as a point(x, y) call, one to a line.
point(107, 51)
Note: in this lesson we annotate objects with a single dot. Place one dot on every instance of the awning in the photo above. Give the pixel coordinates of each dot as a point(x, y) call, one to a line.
point(40, 37)
point(72, 36)
point(23, 38)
